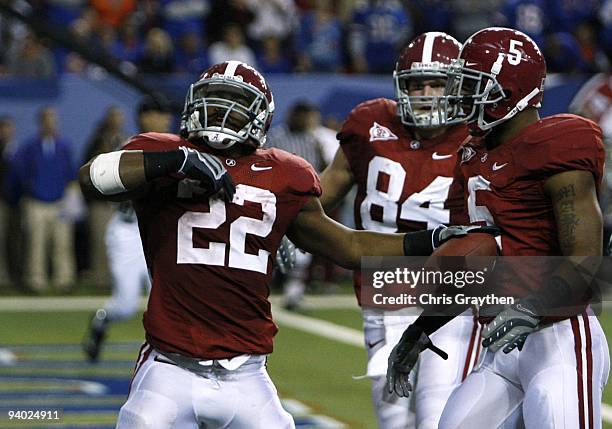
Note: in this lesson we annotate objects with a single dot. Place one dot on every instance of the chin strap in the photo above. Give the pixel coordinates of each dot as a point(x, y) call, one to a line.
point(520, 106)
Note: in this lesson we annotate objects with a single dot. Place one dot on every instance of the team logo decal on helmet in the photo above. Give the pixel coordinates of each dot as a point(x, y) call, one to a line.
point(499, 72)
point(426, 58)
point(230, 103)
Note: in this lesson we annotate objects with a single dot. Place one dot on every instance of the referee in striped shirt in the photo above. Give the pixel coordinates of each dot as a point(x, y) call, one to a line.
point(296, 135)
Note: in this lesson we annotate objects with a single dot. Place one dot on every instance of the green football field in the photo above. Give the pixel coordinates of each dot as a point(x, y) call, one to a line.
point(313, 366)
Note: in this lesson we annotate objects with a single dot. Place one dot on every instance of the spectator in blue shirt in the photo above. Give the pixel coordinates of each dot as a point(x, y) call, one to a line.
point(271, 58)
point(525, 15)
point(191, 54)
point(40, 174)
point(379, 29)
point(178, 16)
point(319, 40)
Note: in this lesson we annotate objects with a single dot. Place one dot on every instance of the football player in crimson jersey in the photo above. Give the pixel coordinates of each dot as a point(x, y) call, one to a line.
point(212, 208)
point(401, 158)
point(537, 180)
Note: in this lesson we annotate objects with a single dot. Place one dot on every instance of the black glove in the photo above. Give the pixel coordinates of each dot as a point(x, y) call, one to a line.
point(511, 327)
point(444, 233)
point(404, 357)
point(209, 170)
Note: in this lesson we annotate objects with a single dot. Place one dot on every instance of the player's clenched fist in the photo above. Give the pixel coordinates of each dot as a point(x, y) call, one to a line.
point(208, 169)
point(193, 164)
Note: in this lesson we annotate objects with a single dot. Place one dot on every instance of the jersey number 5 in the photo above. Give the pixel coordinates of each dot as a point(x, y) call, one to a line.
point(215, 254)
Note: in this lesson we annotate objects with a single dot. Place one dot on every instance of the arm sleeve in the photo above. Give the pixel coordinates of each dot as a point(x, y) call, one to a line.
point(579, 147)
point(305, 181)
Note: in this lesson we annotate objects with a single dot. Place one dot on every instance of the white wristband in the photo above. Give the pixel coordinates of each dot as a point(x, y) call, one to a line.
point(104, 173)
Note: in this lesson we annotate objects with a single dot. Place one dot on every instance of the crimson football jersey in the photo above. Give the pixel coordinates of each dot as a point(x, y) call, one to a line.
point(504, 186)
point(211, 261)
point(402, 183)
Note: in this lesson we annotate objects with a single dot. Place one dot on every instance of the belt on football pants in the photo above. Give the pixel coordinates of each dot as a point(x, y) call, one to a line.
point(200, 366)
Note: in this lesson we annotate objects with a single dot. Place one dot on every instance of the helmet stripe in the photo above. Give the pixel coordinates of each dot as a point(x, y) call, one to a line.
point(428, 47)
point(428, 44)
point(230, 70)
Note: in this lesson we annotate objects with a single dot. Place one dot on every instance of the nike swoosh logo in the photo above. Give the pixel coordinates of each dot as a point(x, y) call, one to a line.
point(256, 168)
point(498, 167)
point(436, 156)
point(375, 343)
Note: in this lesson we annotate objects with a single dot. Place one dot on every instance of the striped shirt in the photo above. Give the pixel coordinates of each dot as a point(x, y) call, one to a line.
point(303, 144)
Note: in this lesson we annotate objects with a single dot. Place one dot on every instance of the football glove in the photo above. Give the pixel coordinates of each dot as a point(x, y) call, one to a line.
point(209, 170)
point(511, 327)
point(442, 233)
point(404, 357)
point(285, 255)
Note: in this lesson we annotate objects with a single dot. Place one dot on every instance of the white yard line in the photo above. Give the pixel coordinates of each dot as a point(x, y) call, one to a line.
point(319, 327)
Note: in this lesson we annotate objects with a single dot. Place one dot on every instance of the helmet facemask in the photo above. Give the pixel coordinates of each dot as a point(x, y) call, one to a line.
point(473, 94)
point(421, 111)
point(224, 110)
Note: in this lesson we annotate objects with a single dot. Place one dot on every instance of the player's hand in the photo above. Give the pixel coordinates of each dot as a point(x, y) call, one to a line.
point(285, 255)
point(511, 327)
point(444, 233)
point(209, 170)
point(404, 357)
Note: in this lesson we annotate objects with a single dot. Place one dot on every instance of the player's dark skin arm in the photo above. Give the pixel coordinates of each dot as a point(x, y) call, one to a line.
point(579, 220)
point(131, 171)
point(579, 230)
point(316, 233)
point(336, 182)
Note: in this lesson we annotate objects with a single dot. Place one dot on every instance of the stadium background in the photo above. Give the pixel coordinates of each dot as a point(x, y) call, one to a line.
point(318, 350)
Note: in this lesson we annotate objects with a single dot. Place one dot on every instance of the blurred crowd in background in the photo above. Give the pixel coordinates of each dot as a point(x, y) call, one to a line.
point(285, 36)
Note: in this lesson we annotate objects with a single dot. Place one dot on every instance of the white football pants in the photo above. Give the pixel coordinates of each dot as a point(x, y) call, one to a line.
point(166, 396)
point(555, 382)
point(433, 379)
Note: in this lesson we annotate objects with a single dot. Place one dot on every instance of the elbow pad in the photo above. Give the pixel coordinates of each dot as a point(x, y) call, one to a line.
point(104, 173)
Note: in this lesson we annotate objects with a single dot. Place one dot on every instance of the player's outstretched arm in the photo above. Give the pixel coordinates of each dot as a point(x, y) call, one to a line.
point(123, 175)
point(315, 232)
point(336, 181)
